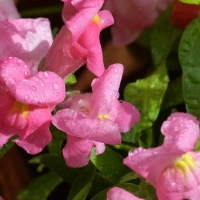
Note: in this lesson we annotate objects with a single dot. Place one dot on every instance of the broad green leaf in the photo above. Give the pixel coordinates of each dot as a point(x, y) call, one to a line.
point(110, 165)
point(41, 187)
point(174, 94)
point(134, 189)
point(6, 147)
point(147, 95)
point(197, 148)
point(189, 55)
point(163, 35)
point(57, 164)
point(82, 184)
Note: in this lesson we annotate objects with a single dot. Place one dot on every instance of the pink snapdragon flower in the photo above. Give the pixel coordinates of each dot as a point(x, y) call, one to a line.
point(78, 40)
point(26, 103)
point(132, 16)
point(173, 168)
point(95, 119)
point(26, 39)
point(117, 193)
point(8, 11)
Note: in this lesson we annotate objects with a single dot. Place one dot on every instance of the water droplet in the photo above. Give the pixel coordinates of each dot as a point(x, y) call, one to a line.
point(116, 71)
point(35, 98)
point(74, 123)
point(26, 97)
point(74, 26)
point(55, 86)
point(26, 73)
point(132, 151)
point(46, 74)
point(33, 88)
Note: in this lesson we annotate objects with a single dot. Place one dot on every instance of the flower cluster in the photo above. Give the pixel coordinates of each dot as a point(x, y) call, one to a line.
point(29, 94)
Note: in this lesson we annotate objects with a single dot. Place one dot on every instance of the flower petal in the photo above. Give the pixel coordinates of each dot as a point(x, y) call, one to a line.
point(127, 116)
point(77, 151)
point(181, 131)
point(79, 125)
point(105, 90)
point(117, 193)
point(41, 89)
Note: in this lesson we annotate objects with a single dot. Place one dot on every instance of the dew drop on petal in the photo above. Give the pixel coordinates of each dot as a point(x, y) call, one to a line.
point(55, 86)
point(35, 98)
point(33, 88)
point(46, 74)
point(74, 123)
point(26, 97)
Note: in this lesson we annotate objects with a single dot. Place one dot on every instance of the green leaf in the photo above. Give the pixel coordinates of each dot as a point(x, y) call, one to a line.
point(132, 188)
point(110, 165)
point(147, 191)
point(147, 95)
point(40, 187)
point(82, 184)
point(189, 54)
point(163, 35)
point(174, 94)
point(56, 145)
point(57, 164)
point(6, 147)
point(128, 177)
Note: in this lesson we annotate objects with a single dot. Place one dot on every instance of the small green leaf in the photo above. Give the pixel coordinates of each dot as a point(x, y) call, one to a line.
point(147, 191)
point(71, 79)
point(110, 165)
point(82, 184)
point(128, 177)
point(189, 54)
point(147, 95)
point(56, 145)
point(6, 147)
point(163, 35)
point(41, 187)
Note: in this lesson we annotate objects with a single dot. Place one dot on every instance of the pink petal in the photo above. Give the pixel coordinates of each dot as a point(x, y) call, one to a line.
point(181, 131)
point(41, 89)
point(100, 147)
point(77, 151)
point(105, 90)
point(59, 61)
point(106, 18)
point(8, 10)
point(117, 193)
point(149, 163)
point(27, 39)
point(127, 116)
point(176, 184)
point(77, 14)
point(132, 16)
point(12, 70)
point(80, 125)
point(36, 141)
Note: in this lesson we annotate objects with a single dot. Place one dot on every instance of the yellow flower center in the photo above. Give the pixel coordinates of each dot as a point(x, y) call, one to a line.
point(185, 163)
point(103, 116)
point(97, 20)
point(21, 108)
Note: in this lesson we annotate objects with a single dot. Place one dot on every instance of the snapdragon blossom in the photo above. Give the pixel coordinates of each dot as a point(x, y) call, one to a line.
point(95, 118)
point(8, 11)
point(117, 193)
point(26, 103)
point(26, 39)
point(173, 168)
point(132, 16)
point(78, 40)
